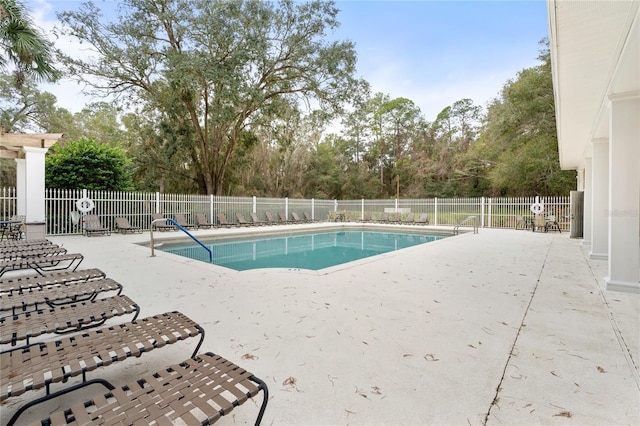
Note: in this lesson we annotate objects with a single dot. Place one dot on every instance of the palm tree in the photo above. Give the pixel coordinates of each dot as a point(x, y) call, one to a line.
point(24, 45)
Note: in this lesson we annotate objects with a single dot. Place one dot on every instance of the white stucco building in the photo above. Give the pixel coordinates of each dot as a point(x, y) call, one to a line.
point(595, 56)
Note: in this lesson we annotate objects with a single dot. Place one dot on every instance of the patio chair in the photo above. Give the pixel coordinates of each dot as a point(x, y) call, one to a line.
point(520, 222)
point(384, 218)
point(23, 282)
point(296, 218)
point(202, 222)
point(307, 217)
point(409, 219)
point(64, 319)
point(92, 225)
point(552, 223)
point(182, 221)
point(199, 390)
point(539, 224)
point(423, 219)
point(123, 226)
point(367, 217)
point(241, 220)
point(12, 229)
point(270, 219)
point(222, 220)
point(43, 364)
point(42, 264)
point(161, 226)
point(24, 243)
point(255, 220)
point(30, 299)
point(283, 218)
point(31, 251)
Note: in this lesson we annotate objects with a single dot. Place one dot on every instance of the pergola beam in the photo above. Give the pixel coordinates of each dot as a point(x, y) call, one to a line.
point(28, 150)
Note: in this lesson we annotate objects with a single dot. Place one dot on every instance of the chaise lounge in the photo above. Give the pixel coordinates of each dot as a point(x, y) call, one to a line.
point(199, 391)
point(64, 319)
point(182, 221)
point(242, 221)
point(255, 220)
point(92, 225)
point(222, 220)
point(202, 222)
point(123, 226)
point(161, 225)
point(41, 264)
point(29, 299)
point(43, 364)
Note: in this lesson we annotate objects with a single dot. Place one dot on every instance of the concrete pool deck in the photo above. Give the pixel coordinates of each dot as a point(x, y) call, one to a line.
point(500, 327)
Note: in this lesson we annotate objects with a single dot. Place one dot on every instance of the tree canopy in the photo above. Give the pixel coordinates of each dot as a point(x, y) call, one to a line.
point(208, 71)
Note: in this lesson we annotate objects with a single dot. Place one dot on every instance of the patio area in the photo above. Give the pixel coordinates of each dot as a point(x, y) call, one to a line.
point(500, 327)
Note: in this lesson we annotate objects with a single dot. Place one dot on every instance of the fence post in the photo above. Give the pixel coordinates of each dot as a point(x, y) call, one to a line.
point(211, 216)
point(435, 211)
point(335, 205)
point(489, 213)
point(481, 212)
point(396, 206)
point(313, 209)
point(158, 202)
point(286, 207)
point(362, 210)
point(255, 201)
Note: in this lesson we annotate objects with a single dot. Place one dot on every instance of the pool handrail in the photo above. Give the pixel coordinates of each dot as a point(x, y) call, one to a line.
point(456, 229)
point(180, 228)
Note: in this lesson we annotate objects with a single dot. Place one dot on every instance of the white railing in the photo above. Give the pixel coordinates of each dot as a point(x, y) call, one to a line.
point(138, 207)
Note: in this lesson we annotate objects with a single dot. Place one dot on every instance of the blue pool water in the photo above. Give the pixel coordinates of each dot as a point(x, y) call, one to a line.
point(312, 251)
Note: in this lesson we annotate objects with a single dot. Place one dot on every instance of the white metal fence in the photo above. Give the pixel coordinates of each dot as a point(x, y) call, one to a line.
point(139, 206)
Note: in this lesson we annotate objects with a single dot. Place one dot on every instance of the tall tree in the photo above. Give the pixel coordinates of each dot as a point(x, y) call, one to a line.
point(224, 64)
point(24, 45)
point(519, 141)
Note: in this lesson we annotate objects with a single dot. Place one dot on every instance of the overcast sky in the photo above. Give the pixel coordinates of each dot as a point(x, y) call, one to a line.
point(432, 52)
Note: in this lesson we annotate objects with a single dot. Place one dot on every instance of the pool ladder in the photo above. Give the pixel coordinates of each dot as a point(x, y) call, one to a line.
point(474, 219)
point(153, 253)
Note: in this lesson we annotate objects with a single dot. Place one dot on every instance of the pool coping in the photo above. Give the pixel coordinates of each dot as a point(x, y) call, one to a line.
point(301, 229)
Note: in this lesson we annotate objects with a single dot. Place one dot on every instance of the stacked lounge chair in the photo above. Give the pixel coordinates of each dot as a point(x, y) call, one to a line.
point(198, 390)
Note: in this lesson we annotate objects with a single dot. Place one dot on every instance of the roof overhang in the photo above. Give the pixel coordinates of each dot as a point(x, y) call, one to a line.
point(595, 53)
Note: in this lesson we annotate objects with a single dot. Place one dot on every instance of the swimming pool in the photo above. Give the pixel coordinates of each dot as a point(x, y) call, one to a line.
point(314, 251)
